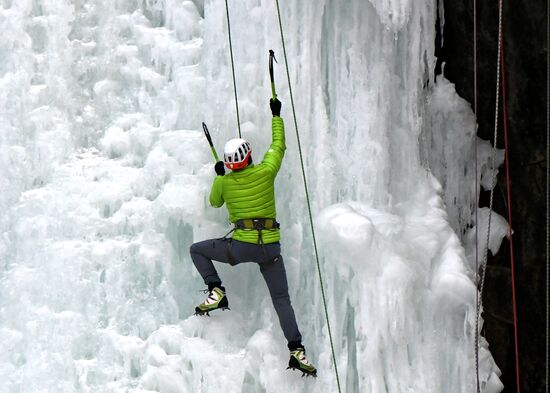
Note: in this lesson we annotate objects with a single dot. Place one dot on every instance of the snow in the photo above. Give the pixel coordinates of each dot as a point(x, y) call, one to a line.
point(105, 175)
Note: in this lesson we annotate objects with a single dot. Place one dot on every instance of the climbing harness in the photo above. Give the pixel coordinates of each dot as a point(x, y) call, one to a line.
point(257, 224)
point(252, 224)
point(479, 296)
point(308, 199)
point(233, 68)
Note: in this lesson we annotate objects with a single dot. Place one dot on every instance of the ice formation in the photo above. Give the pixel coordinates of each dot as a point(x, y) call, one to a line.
point(104, 177)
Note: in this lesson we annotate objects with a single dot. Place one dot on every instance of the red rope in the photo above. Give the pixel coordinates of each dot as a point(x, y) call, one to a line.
point(504, 113)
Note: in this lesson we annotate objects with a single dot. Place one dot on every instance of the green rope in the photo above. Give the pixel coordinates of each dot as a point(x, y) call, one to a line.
point(233, 68)
point(308, 200)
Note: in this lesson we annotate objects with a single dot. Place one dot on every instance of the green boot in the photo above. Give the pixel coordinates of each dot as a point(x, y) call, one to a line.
point(216, 299)
point(298, 361)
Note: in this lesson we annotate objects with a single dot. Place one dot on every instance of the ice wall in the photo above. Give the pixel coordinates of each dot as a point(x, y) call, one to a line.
point(104, 176)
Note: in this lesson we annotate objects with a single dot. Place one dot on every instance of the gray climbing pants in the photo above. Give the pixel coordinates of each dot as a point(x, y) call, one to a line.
point(268, 257)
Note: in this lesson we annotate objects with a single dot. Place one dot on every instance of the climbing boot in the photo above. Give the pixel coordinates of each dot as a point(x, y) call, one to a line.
point(298, 361)
point(216, 299)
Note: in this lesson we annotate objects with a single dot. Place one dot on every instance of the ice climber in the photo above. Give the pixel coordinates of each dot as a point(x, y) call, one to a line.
point(249, 194)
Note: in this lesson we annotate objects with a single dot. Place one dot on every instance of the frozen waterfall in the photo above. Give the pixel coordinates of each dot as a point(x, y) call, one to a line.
point(104, 181)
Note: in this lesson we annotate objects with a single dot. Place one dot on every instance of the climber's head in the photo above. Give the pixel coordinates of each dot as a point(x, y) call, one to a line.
point(237, 154)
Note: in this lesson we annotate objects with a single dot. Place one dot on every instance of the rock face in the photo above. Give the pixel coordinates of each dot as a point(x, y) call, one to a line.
point(525, 59)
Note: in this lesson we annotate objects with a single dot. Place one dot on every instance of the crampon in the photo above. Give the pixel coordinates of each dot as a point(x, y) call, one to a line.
point(304, 372)
point(207, 312)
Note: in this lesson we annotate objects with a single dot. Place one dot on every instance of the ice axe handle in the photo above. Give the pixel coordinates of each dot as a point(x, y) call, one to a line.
point(271, 58)
point(207, 134)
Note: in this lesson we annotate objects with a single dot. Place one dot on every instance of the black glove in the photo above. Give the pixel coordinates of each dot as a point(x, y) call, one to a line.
point(219, 168)
point(275, 106)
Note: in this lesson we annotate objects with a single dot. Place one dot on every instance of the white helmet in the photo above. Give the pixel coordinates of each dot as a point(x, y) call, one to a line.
point(236, 153)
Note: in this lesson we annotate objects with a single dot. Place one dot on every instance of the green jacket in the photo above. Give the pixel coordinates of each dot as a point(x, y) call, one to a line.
point(250, 192)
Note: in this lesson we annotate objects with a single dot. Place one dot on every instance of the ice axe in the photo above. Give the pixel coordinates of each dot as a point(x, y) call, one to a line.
point(271, 58)
point(207, 134)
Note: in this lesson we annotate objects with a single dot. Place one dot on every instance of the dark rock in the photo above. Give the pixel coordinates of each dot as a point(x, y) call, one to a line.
point(497, 294)
point(525, 27)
